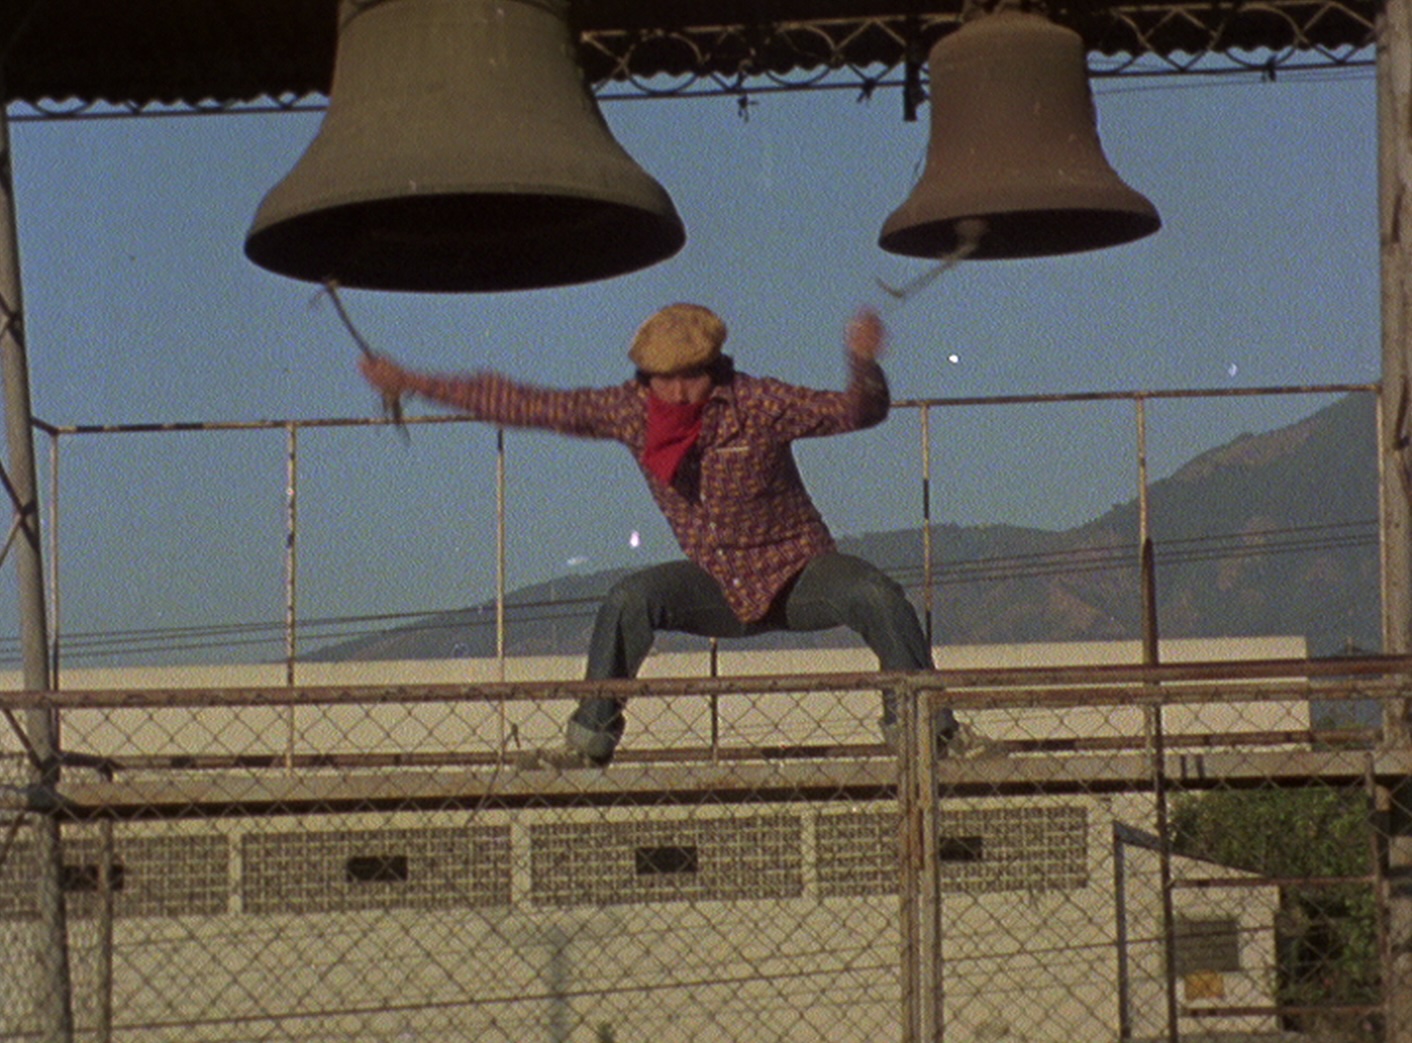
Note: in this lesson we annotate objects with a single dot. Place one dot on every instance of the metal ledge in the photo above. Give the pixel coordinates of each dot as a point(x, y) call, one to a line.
point(639, 782)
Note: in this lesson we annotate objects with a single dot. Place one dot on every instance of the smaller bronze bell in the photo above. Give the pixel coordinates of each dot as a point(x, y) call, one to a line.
point(1014, 146)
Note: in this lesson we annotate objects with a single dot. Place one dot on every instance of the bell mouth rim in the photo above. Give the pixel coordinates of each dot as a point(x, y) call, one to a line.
point(1022, 233)
point(467, 243)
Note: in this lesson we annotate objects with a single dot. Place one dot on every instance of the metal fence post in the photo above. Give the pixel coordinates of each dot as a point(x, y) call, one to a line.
point(921, 900)
point(291, 580)
point(1395, 228)
point(52, 960)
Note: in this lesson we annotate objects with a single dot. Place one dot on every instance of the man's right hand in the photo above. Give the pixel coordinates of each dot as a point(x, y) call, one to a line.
point(390, 379)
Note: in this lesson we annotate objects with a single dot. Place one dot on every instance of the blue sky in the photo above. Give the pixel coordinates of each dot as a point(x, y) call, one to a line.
point(142, 307)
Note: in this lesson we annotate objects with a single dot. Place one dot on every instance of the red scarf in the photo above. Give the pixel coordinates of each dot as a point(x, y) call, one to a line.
point(672, 429)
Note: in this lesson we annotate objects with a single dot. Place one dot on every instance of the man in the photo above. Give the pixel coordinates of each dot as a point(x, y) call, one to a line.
point(715, 448)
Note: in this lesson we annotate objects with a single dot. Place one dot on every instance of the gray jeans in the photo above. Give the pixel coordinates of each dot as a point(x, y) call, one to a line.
point(832, 590)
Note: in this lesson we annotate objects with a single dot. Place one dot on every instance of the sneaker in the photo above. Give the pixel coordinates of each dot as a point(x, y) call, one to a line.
point(890, 737)
point(945, 730)
point(595, 747)
point(560, 759)
point(594, 730)
point(969, 743)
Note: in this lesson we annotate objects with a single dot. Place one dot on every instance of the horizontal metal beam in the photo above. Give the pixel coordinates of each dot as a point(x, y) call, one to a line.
point(1207, 681)
point(182, 795)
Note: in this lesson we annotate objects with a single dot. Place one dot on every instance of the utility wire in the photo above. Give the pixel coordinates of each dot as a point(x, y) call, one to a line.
point(1254, 544)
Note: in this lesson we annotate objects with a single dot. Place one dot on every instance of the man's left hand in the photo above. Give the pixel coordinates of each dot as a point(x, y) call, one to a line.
point(866, 336)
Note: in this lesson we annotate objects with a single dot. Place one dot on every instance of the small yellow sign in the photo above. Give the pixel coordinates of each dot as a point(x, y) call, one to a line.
point(1204, 985)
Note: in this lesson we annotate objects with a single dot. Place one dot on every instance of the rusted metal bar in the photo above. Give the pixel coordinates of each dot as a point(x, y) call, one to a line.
point(1147, 560)
point(928, 585)
point(1033, 686)
point(240, 425)
point(715, 751)
point(1225, 882)
point(1278, 1011)
point(291, 546)
point(500, 577)
point(1151, 657)
point(714, 670)
point(107, 905)
point(687, 776)
point(66, 430)
point(1120, 936)
point(631, 783)
point(55, 618)
point(291, 578)
point(919, 897)
point(1128, 396)
point(1394, 35)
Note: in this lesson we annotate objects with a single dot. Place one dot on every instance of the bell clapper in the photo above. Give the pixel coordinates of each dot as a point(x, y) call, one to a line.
point(391, 404)
point(969, 231)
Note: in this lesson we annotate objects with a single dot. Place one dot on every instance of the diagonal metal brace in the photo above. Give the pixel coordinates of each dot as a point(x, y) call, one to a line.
point(31, 754)
point(23, 512)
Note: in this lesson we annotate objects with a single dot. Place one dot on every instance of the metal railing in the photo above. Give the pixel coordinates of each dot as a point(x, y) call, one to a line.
point(925, 577)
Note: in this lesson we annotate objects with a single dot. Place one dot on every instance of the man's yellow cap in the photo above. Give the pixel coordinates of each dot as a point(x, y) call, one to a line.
point(679, 337)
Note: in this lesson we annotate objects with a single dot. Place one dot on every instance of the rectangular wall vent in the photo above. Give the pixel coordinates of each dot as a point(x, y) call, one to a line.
point(349, 870)
point(699, 859)
point(376, 869)
point(87, 877)
point(666, 859)
point(1022, 848)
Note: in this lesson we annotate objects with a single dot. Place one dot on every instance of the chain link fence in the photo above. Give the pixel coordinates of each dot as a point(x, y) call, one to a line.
point(1102, 856)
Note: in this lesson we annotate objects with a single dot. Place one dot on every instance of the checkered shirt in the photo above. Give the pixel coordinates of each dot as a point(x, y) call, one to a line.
point(737, 506)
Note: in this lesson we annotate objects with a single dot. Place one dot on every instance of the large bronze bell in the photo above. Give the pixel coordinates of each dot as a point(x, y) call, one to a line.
point(1014, 167)
point(461, 151)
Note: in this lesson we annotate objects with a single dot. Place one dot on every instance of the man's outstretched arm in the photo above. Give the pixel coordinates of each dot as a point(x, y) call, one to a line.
point(496, 399)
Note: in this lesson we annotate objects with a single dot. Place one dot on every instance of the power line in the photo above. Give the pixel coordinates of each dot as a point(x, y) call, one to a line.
point(166, 641)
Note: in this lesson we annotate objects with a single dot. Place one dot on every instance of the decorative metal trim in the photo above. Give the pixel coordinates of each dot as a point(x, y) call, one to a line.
point(866, 54)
